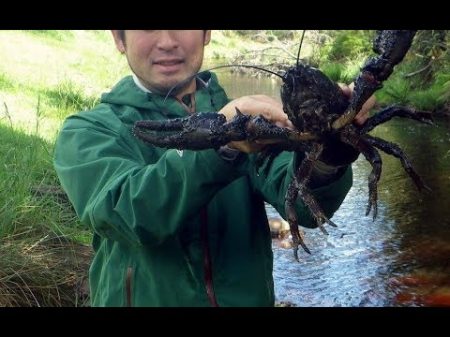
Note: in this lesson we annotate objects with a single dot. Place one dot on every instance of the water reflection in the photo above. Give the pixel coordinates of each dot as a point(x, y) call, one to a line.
point(239, 85)
point(400, 259)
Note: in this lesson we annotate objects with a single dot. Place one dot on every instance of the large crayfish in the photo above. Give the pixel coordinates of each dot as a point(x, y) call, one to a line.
point(321, 114)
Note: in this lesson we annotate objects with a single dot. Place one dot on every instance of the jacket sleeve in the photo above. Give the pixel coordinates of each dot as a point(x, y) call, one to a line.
point(273, 187)
point(119, 195)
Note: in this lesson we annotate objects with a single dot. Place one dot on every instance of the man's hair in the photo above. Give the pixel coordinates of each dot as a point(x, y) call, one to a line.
point(122, 35)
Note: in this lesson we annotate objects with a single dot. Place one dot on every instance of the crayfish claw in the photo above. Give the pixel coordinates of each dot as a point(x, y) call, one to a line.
point(196, 132)
point(175, 124)
point(391, 47)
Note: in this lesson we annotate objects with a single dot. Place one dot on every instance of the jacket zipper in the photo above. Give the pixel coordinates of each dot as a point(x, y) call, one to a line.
point(207, 265)
point(128, 285)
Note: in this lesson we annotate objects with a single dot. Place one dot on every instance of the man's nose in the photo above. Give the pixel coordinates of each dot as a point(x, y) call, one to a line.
point(167, 40)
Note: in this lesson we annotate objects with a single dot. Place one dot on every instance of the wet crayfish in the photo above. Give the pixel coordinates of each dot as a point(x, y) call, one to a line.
point(321, 114)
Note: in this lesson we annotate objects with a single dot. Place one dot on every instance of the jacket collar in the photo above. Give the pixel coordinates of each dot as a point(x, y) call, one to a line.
point(128, 93)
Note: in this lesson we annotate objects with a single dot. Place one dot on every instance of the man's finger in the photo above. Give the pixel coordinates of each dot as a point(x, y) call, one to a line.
point(345, 89)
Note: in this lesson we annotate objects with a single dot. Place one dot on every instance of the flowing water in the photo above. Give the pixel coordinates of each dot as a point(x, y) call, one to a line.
point(400, 259)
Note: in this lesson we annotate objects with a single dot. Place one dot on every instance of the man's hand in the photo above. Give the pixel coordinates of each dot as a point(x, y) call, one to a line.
point(337, 153)
point(272, 110)
point(362, 116)
point(256, 105)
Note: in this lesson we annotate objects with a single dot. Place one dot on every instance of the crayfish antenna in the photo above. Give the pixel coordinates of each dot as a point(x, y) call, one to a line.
point(300, 48)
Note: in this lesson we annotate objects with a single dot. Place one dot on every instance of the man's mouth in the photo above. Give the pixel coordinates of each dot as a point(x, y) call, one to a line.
point(168, 66)
point(168, 62)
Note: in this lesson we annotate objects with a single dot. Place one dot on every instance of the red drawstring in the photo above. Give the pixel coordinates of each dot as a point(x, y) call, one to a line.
point(207, 266)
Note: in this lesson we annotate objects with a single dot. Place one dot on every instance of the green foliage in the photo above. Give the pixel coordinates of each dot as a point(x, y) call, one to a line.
point(343, 73)
point(400, 91)
point(283, 34)
point(247, 32)
point(434, 96)
point(443, 82)
point(421, 80)
point(395, 90)
point(349, 44)
point(431, 50)
point(268, 35)
point(422, 87)
point(429, 99)
point(334, 71)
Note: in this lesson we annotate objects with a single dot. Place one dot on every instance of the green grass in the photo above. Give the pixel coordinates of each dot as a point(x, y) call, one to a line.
point(65, 98)
point(25, 199)
point(43, 246)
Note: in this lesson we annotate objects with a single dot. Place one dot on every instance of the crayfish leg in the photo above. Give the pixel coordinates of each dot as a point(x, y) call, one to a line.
point(395, 111)
point(291, 217)
point(350, 136)
point(297, 188)
point(303, 176)
point(396, 151)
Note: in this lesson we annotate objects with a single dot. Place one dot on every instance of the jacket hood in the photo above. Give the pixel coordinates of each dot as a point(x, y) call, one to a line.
point(126, 92)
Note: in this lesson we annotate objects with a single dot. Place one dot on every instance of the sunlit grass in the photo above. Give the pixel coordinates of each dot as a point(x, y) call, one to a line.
point(66, 71)
point(44, 77)
point(65, 99)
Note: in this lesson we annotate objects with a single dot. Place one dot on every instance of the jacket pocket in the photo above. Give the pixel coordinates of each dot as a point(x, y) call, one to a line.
point(128, 286)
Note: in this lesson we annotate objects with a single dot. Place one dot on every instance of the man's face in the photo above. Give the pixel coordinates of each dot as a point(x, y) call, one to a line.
point(164, 58)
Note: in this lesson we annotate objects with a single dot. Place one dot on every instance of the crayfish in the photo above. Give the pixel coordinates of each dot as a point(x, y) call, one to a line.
point(321, 114)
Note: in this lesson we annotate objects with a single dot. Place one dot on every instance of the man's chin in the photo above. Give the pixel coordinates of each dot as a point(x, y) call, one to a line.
point(174, 88)
point(170, 90)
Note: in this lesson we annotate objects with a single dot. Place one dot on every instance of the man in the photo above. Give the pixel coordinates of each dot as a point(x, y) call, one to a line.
point(176, 228)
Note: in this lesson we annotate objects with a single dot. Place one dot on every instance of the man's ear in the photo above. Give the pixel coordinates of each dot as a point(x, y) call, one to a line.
point(207, 37)
point(118, 39)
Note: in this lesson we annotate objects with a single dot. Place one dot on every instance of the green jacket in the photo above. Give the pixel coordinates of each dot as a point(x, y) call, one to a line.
point(172, 229)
